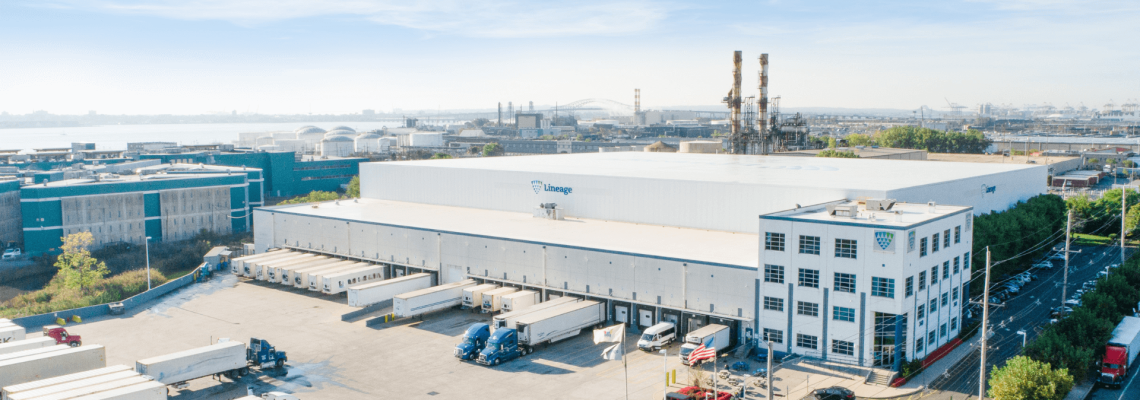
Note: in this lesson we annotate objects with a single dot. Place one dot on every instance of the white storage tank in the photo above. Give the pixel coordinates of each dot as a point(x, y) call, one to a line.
point(426, 139)
point(284, 135)
point(269, 147)
point(295, 145)
point(387, 143)
point(264, 140)
point(340, 132)
point(337, 146)
point(342, 128)
point(368, 142)
point(311, 136)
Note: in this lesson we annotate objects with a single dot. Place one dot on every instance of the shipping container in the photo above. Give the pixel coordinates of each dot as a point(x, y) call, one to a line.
point(338, 283)
point(77, 389)
point(430, 299)
point(493, 299)
point(308, 279)
point(473, 296)
point(508, 319)
point(562, 322)
point(190, 364)
point(290, 276)
point(26, 344)
point(376, 292)
point(11, 333)
point(59, 380)
point(272, 269)
point(144, 391)
point(519, 300)
point(50, 365)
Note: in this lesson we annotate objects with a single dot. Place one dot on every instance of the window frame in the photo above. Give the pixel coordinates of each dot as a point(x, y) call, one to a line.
point(845, 314)
point(844, 282)
point(773, 335)
point(802, 282)
point(843, 347)
point(909, 286)
point(774, 304)
point(847, 248)
point(807, 308)
point(770, 270)
point(934, 243)
point(806, 244)
point(802, 339)
point(774, 241)
point(881, 286)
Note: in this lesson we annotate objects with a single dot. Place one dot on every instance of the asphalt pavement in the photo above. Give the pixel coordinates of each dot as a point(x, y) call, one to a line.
point(1029, 311)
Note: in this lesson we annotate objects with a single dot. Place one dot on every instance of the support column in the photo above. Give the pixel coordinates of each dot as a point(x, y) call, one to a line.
point(898, 342)
point(862, 325)
point(788, 308)
point(823, 338)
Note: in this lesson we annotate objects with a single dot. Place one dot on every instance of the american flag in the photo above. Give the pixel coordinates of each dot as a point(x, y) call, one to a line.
point(703, 352)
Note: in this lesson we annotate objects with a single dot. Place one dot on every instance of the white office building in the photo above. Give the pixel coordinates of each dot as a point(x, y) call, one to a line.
point(864, 282)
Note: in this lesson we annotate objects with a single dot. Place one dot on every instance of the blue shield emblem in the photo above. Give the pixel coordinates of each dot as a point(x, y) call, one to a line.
point(885, 240)
point(537, 185)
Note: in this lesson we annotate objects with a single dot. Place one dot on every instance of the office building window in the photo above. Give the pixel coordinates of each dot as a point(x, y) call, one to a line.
point(773, 241)
point(946, 239)
point(933, 275)
point(957, 264)
point(842, 347)
point(953, 324)
point(773, 335)
point(934, 243)
point(807, 341)
point(932, 337)
point(922, 280)
point(918, 345)
point(945, 299)
point(909, 286)
point(845, 248)
point(843, 314)
point(773, 303)
point(882, 287)
point(942, 331)
point(773, 273)
point(955, 296)
point(922, 248)
point(933, 305)
point(957, 234)
point(844, 282)
point(809, 245)
point(946, 270)
point(921, 312)
point(809, 277)
point(808, 309)
point(966, 262)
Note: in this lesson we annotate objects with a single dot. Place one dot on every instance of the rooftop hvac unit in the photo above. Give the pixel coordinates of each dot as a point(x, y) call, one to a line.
point(880, 204)
point(548, 211)
point(843, 210)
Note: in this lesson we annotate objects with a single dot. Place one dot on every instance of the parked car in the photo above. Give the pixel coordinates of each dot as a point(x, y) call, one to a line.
point(1073, 302)
point(831, 393)
point(1012, 288)
point(1056, 313)
point(11, 254)
point(1114, 266)
point(1059, 255)
point(1102, 274)
point(1044, 265)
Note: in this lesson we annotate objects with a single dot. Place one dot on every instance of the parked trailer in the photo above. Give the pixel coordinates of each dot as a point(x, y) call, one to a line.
point(237, 264)
point(77, 389)
point(375, 292)
point(247, 266)
point(430, 299)
point(272, 270)
point(63, 379)
point(31, 352)
point(66, 387)
point(244, 266)
point(144, 391)
point(226, 358)
point(259, 266)
point(493, 299)
point(560, 322)
point(473, 296)
point(12, 333)
point(519, 300)
point(338, 283)
point(50, 365)
point(26, 344)
point(508, 319)
point(290, 275)
point(722, 340)
point(316, 278)
point(280, 272)
point(307, 279)
point(1120, 352)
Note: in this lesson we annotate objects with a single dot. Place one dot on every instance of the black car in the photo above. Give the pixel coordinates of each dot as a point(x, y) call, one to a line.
point(831, 393)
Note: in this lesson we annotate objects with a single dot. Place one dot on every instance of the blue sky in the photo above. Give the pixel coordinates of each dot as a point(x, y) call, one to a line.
point(339, 56)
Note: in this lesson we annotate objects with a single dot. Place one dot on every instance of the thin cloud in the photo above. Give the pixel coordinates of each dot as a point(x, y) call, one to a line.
point(465, 18)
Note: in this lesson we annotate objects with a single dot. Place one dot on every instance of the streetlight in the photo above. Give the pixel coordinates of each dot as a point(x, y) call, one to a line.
point(665, 367)
point(1022, 333)
point(148, 263)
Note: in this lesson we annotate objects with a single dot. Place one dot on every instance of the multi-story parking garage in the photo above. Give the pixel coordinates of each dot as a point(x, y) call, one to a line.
point(673, 237)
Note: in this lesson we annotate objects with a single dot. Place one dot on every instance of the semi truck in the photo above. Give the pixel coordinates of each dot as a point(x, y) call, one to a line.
point(26, 344)
point(49, 365)
point(1120, 352)
point(546, 326)
point(61, 335)
point(114, 371)
point(377, 292)
point(280, 273)
point(84, 388)
point(507, 320)
point(338, 283)
point(519, 300)
point(473, 296)
point(226, 358)
point(493, 299)
point(247, 265)
point(31, 352)
point(149, 390)
point(431, 299)
point(695, 338)
point(474, 340)
point(316, 279)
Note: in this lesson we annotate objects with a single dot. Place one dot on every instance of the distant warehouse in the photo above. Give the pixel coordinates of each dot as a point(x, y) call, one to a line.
point(656, 236)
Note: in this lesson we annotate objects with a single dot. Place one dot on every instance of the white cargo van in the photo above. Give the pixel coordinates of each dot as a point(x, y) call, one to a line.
point(657, 336)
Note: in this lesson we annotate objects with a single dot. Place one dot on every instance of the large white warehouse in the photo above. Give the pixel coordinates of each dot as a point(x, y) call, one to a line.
point(657, 236)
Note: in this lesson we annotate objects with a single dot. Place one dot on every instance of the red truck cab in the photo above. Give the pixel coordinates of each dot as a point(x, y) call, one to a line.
point(1114, 367)
point(61, 336)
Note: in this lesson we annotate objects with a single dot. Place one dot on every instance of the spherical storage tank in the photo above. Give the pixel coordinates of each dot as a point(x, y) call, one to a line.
point(368, 142)
point(311, 135)
point(264, 140)
point(337, 146)
point(342, 128)
point(340, 132)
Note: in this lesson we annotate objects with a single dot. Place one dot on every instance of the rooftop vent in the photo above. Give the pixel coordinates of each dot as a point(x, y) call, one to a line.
point(880, 204)
point(933, 206)
point(898, 216)
point(843, 210)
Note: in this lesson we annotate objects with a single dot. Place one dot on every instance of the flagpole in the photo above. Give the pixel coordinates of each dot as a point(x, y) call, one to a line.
point(624, 363)
point(716, 393)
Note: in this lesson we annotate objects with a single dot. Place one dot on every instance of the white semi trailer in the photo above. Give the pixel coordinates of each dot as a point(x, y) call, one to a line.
point(519, 300)
point(143, 391)
point(224, 358)
point(11, 333)
point(375, 292)
point(508, 319)
point(113, 371)
point(49, 365)
point(431, 299)
point(309, 279)
point(27, 344)
point(291, 275)
point(31, 352)
point(272, 270)
point(557, 323)
point(493, 299)
point(247, 266)
point(338, 283)
point(315, 279)
point(237, 264)
point(473, 296)
point(258, 267)
point(79, 389)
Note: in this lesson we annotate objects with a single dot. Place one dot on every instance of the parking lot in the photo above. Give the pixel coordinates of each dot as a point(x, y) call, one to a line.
point(332, 359)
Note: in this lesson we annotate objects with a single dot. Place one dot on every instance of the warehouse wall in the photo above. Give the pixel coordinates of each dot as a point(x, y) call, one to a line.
point(185, 212)
point(11, 222)
point(110, 218)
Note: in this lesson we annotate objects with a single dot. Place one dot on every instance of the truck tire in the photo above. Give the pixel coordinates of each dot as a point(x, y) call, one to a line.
point(279, 364)
point(243, 372)
point(495, 363)
point(74, 344)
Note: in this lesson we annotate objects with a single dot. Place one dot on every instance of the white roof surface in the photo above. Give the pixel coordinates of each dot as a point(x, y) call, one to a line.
point(813, 172)
point(908, 214)
point(741, 249)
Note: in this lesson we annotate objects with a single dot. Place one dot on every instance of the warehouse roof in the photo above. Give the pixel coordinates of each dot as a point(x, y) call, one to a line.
point(880, 213)
point(813, 172)
point(715, 247)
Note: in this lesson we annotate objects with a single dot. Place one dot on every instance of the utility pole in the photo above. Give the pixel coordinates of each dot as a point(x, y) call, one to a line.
point(1065, 285)
point(1123, 213)
point(769, 377)
point(985, 327)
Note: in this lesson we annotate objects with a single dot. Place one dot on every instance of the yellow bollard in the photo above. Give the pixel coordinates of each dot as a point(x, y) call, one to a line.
point(76, 319)
point(60, 321)
point(674, 376)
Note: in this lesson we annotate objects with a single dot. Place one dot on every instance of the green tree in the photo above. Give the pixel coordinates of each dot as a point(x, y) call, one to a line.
point(353, 191)
point(440, 156)
point(1092, 161)
point(313, 197)
point(831, 143)
point(837, 154)
point(859, 139)
point(78, 269)
point(492, 149)
point(1014, 231)
point(480, 122)
point(1025, 379)
point(934, 141)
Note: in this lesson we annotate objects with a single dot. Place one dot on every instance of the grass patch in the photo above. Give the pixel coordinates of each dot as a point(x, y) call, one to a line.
point(56, 296)
point(1085, 239)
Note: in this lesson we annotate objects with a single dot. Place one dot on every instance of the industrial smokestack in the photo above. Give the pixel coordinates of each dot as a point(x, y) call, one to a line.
point(762, 118)
point(734, 98)
point(531, 106)
point(500, 114)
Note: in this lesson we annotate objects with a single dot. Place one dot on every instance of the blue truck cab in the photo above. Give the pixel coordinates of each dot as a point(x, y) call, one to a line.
point(263, 354)
point(473, 341)
point(502, 346)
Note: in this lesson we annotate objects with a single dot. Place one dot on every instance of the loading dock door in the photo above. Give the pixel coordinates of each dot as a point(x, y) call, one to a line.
point(645, 317)
point(670, 318)
point(621, 314)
